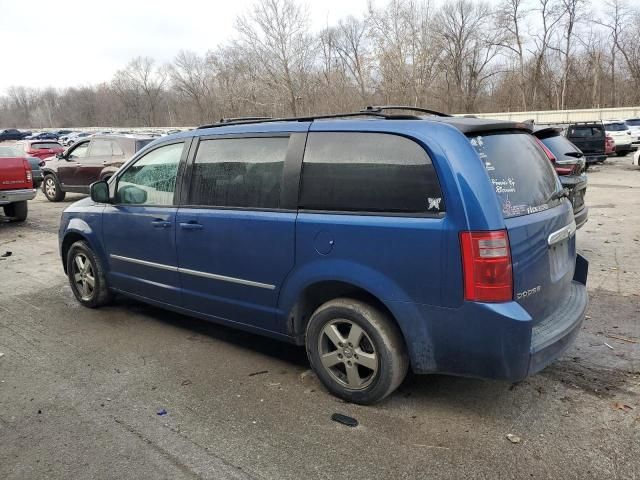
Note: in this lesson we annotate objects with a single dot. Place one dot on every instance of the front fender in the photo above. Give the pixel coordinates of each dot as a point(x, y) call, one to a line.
point(88, 228)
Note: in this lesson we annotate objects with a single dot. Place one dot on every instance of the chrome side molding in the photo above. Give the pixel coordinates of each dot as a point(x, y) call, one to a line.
point(562, 234)
point(196, 273)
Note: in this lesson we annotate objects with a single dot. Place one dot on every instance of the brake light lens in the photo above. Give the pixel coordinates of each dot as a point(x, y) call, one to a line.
point(486, 265)
point(27, 170)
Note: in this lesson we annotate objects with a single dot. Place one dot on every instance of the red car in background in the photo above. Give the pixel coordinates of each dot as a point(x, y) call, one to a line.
point(16, 183)
point(39, 148)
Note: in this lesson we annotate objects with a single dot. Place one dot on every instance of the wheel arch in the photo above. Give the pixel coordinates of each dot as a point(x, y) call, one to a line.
point(77, 230)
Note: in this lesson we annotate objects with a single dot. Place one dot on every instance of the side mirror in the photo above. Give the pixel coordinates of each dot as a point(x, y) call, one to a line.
point(132, 195)
point(100, 192)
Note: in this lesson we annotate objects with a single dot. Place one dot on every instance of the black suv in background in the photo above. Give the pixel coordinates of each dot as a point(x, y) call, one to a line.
point(569, 163)
point(590, 138)
point(12, 134)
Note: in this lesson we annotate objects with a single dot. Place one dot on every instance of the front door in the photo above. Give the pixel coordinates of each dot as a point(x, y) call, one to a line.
point(139, 227)
point(235, 236)
point(69, 167)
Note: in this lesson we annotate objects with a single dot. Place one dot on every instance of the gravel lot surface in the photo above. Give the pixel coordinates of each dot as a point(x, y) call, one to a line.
point(80, 389)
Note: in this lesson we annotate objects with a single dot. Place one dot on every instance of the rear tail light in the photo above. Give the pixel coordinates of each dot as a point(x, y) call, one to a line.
point(27, 169)
point(566, 169)
point(486, 265)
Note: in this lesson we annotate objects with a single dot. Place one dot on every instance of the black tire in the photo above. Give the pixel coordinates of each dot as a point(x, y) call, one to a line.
point(99, 294)
point(621, 154)
point(381, 344)
point(52, 189)
point(17, 211)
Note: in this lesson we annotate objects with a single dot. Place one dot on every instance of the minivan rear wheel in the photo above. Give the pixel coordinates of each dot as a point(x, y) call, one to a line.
point(52, 189)
point(356, 350)
point(87, 276)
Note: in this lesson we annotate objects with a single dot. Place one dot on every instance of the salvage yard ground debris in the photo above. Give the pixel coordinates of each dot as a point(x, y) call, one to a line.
point(578, 419)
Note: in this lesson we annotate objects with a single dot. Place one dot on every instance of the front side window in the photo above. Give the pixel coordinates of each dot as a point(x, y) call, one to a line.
point(151, 180)
point(368, 172)
point(238, 172)
point(80, 151)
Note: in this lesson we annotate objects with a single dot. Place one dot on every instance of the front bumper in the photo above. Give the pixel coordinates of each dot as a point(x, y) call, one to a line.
point(12, 196)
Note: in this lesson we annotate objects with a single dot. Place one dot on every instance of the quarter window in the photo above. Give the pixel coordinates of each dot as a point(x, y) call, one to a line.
point(238, 172)
point(368, 172)
point(151, 180)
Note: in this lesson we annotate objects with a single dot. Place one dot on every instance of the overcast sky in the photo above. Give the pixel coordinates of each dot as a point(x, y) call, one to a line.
point(71, 43)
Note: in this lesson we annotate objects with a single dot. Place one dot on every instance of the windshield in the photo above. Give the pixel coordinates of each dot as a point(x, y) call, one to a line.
point(521, 173)
point(43, 145)
point(615, 127)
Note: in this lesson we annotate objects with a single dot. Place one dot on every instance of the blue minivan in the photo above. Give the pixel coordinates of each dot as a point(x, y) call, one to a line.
point(380, 241)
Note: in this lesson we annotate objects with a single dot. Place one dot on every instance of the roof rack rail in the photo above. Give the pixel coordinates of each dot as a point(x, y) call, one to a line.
point(312, 118)
point(381, 108)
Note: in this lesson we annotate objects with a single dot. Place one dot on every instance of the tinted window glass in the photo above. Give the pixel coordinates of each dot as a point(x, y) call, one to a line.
point(142, 143)
point(560, 146)
point(100, 148)
point(633, 122)
point(238, 172)
point(586, 131)
point(151, 180)
point(521, 173)
point(368, 172)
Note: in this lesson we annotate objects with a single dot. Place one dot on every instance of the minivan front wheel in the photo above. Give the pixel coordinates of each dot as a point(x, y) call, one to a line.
point(356, 350)
point(52, 189)
point(86, 276)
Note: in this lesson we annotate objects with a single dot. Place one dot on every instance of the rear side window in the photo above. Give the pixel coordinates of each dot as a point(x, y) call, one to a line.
point(238, 172)
point(368, 172)
point(586, 131)
point(100, 148)
point(142, 143)
point(521, 173)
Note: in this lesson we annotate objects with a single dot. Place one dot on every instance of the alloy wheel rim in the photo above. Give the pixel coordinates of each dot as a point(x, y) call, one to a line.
point(83, 276)
point(50, 188)
point(347, 354)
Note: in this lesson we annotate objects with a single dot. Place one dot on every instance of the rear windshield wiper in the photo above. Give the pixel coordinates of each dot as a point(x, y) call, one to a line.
point(574, 154)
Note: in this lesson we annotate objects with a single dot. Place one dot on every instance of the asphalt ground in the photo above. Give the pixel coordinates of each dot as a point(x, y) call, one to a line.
point(80, 389)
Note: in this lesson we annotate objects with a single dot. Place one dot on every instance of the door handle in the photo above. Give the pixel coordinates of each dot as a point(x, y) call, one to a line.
point(159, 223)
point(191, 226)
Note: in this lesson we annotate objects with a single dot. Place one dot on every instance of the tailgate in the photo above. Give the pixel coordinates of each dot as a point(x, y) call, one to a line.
point(543, 252)
point(13, 175)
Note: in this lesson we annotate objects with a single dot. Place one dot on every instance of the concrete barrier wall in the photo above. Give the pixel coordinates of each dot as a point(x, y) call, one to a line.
point(566, 116)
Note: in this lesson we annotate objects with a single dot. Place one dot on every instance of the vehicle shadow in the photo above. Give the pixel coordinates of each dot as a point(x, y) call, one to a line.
point(280, 350)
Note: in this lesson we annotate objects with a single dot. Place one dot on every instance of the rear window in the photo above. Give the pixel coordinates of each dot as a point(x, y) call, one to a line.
point(616, 127)
point(521, 173)
point(142, 143)
point(585, 131)
point(368, 172)
point(43, 145)
point(634, 122)
point(559, 146)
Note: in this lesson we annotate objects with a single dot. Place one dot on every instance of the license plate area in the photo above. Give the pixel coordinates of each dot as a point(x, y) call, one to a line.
point(559, 260)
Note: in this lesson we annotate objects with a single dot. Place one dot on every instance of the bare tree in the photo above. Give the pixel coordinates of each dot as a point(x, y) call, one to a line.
point(191, 79)
point(550, 13)
point(511, 16)
point(573, 11)
point(469, 43)
point(276, 31)
point(352, 48)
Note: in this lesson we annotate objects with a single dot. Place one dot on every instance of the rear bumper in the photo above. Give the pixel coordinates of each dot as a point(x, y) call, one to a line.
point(496, 341)
point(12, 196)
point(551, 337)
point(594, 158)
point(581, 216)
